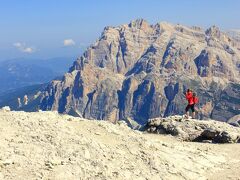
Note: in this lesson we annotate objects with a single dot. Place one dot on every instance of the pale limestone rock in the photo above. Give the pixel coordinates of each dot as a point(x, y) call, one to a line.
point(54, 148)
point(140, 71)
point(6, 108)
point(195, 130)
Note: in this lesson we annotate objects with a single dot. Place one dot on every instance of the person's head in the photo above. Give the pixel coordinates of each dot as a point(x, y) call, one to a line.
point(194, 94)
point(189, 90)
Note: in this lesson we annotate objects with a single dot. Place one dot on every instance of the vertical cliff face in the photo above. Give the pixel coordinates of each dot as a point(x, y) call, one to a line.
point(140, 71)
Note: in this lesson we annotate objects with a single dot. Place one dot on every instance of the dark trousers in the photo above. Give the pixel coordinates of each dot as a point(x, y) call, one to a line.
point(190, 106)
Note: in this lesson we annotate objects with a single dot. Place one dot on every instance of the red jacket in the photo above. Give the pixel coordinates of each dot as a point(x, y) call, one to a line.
point(191, 100)
point(189, 97)
point(195, 100)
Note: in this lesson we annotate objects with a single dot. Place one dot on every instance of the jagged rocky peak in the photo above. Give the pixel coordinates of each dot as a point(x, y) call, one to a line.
point(140, 71)
point(186, 29)
point(197, 28)
point(120, 47)
point(139, 24)
point(213, 31)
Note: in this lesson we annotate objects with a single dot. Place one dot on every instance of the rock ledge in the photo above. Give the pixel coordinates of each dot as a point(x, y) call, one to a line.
point(195, 130)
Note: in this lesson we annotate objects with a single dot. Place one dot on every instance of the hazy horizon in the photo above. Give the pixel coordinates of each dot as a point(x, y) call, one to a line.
point(48, 29)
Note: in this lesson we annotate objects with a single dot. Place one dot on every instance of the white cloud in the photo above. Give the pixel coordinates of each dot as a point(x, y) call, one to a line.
point(28, 50)
point(23, 48)
point(68, 42)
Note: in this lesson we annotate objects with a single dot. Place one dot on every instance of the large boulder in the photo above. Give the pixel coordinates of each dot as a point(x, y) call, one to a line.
point(194, 130)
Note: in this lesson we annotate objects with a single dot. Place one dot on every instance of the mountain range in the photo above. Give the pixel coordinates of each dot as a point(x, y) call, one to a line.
point(138, 71)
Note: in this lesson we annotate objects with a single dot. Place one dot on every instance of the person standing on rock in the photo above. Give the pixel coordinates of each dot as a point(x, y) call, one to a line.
point(192, 100)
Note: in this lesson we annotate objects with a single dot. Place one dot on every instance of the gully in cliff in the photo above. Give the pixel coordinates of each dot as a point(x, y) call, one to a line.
point(192, 100)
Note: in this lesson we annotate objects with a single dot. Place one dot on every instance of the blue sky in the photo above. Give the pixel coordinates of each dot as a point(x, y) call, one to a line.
point(38, 28)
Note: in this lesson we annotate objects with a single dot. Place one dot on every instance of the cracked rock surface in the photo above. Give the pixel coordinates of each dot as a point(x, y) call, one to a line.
point(46, 145)
point(195, 130)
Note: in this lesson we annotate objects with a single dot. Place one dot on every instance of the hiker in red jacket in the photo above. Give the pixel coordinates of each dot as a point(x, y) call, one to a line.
point(192, 100)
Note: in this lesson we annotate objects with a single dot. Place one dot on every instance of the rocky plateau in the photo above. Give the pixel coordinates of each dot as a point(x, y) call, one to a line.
point(49, 145)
